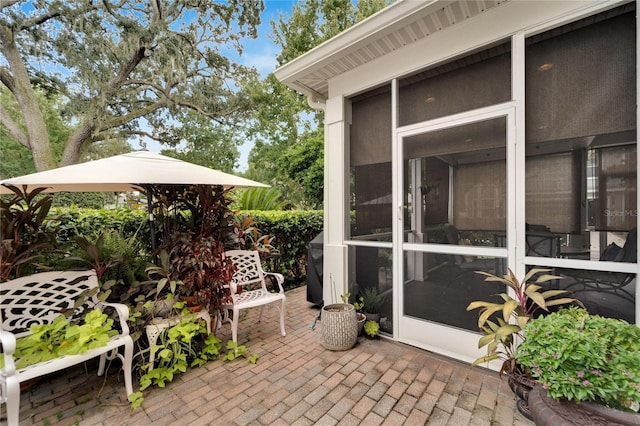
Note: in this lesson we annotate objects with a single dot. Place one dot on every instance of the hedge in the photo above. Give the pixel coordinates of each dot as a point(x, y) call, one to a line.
point(293, 230)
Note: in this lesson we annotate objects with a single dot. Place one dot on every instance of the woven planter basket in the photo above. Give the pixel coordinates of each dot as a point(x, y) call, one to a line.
point(339, 327)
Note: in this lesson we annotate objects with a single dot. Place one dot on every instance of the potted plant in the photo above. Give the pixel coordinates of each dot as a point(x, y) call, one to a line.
point(339, 325)
point(585, 364)
point(373, 301)
point(358, 305)
point(372, 329)
point(501, 324)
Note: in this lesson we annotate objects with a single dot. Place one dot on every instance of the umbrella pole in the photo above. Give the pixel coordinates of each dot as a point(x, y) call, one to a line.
point(152, 228)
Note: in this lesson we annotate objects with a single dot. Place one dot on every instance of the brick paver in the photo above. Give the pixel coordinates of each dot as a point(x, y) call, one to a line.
point(295, 382)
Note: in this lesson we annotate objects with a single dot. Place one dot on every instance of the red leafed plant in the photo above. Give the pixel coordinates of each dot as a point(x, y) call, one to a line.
point(203, 269)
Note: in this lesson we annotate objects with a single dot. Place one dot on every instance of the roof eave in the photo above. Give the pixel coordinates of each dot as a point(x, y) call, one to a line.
point(351, 39)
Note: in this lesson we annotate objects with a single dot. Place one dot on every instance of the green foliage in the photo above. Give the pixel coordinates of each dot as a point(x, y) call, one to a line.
point(258, 198)
point(502, 323)
point(91, 200)
point(372, 300)
point(116, 63)
point(372, 328)
point(288, 133)
point(74, 221)
point(25, 239)
point(177, 350)
point(357, 305)
point(583, 357)
point(235, 351)
point(292, 231)
point(202, 141)
point(16, 158)
point(60, 337)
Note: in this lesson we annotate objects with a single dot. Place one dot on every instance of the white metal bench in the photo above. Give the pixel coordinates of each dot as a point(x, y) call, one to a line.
point(249, 275)
point(39, 299)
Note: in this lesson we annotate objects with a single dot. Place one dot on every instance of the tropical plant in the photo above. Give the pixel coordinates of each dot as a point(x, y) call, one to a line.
point(250, 237)
point(24, 237)
point(372, 300)
point(582, 357)
point(198, 263)
point(259, 198)
point(502, 323)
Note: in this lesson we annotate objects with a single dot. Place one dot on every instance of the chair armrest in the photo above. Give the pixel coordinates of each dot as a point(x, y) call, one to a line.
point(8, 343)
point(279, 279)
point(123, 314)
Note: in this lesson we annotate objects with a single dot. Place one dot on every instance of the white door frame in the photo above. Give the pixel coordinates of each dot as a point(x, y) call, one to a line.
point(457, 343)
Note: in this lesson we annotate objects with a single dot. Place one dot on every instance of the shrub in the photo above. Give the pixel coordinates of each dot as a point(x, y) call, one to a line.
point(583, 357)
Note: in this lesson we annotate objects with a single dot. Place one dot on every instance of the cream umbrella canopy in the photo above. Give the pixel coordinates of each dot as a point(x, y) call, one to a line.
point(134, 171)
point(125, 172)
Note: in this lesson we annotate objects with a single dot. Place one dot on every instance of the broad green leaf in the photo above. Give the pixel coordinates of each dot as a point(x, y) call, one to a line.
point(507, 310)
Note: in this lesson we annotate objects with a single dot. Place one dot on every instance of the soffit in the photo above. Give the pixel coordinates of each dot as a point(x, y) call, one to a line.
point(399, 25)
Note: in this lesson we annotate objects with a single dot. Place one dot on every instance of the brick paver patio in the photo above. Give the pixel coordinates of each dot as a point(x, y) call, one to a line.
point(295, 382)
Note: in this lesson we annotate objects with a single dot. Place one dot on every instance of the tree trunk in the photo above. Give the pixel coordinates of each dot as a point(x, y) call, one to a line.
point(20, 87)
point(72, 149)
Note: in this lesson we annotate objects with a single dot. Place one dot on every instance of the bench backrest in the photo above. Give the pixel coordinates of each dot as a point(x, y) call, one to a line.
point(40, 298)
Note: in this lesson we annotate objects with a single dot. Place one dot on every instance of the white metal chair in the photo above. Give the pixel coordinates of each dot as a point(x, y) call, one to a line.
point(249, 289)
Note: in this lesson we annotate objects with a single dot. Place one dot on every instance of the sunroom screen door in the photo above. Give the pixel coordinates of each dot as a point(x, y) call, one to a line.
point(453, 223)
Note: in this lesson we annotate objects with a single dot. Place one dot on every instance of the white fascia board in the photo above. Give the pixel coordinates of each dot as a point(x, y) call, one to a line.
point(383, 22)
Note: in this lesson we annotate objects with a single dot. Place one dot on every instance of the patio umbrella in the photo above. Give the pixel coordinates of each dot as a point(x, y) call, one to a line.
point(125, 172)
point(133, 171)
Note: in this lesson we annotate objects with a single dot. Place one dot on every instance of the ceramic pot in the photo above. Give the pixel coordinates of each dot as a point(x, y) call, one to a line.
point(361, 318)
point(546, 411)
point(339, 326)
point(521, 385)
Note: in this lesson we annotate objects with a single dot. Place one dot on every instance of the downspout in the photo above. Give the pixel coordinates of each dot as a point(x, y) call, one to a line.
point(317, 103)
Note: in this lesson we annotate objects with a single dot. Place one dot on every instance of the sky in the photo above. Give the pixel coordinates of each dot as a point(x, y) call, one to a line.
point(259, 53)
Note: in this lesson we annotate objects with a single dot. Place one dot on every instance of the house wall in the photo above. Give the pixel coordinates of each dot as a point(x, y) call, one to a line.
point(514, 20)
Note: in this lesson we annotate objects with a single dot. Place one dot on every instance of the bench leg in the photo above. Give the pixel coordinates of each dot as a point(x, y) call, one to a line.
point(126, 366)
point(13, 401)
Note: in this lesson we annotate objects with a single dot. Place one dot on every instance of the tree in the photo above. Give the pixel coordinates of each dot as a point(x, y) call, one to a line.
point(202, 142)
point(116, 63)
point(16, 159)
point(288, 133)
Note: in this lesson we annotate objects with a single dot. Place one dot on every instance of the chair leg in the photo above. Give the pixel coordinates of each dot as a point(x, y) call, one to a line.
point(234, 326)
point(282, 308)
point(261, 311)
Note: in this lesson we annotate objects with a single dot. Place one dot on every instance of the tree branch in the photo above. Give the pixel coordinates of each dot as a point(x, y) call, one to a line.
point(13, 127)
point(37, 20)
point(7, 79)
point(7, 3)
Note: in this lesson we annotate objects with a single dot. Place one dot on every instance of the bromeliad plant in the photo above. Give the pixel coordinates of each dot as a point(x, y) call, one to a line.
point(502, 323)
point(582, 357)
